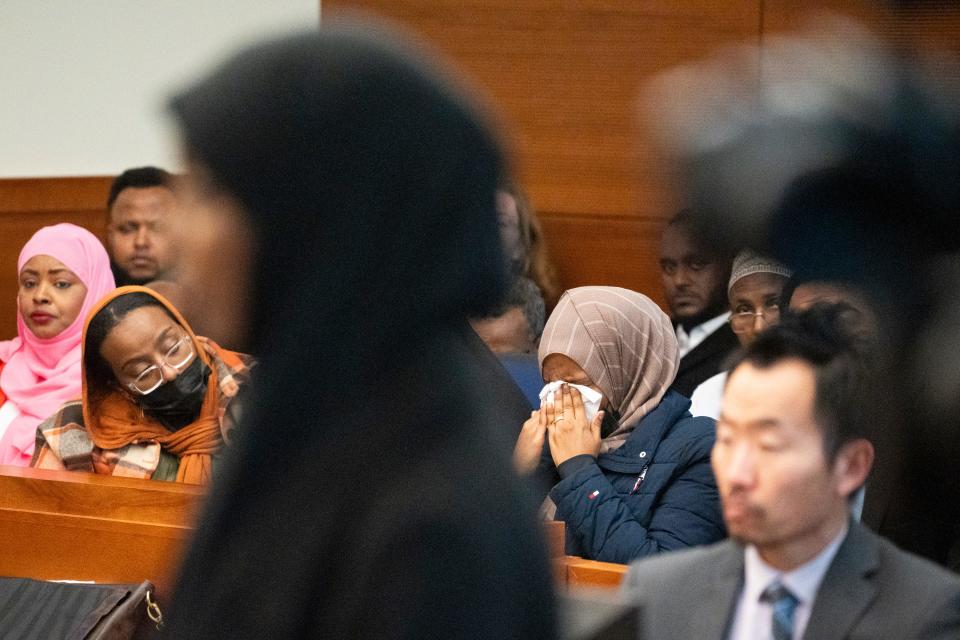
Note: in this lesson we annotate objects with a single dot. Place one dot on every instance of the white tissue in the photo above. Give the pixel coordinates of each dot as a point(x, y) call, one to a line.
point(591, 398)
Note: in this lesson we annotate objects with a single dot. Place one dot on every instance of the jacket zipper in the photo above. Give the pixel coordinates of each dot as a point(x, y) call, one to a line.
point(643, 474)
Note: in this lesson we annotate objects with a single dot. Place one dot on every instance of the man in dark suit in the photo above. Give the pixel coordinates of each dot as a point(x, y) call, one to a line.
point(791, 449)
point(695, 283)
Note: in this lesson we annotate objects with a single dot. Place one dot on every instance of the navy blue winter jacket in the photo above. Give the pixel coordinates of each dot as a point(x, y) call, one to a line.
point(655, 493)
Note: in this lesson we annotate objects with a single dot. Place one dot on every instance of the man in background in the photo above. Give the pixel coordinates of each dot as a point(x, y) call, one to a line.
point(140, 206)
point(756, 289)
point(515, 326)
point(793, 445)
point(512, 331)
point(694, 280)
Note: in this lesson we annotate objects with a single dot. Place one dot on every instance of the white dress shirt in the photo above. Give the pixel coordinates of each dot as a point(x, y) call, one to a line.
point(708, 395)
point(689, 341)
point(753, 618)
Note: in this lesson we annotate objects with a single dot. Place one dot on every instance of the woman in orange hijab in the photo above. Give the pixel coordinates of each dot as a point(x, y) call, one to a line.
point(157, 399)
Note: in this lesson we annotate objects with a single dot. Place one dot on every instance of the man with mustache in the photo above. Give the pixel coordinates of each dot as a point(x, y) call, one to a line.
point(694, 278)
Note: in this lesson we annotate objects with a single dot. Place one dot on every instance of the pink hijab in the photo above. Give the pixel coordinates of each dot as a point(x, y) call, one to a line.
point(39, 375)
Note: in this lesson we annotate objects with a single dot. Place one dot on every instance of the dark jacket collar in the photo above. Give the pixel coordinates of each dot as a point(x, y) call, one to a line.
point(649, 432)
point(721, 341)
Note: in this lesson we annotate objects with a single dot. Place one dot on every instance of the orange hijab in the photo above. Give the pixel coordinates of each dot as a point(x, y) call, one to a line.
point(119, 420)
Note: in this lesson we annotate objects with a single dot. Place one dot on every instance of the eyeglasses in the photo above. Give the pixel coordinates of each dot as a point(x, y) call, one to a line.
point(743, 321)
point(177, 357)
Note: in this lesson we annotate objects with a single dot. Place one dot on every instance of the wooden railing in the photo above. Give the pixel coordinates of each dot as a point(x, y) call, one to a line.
point(61, 525)
point(573, 571)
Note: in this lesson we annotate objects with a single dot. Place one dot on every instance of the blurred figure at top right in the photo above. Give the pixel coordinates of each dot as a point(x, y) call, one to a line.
point(838, 153)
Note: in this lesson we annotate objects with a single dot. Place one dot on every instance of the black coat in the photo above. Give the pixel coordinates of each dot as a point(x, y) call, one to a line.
point(369, 492)
point(705, 360)
point(435, 539)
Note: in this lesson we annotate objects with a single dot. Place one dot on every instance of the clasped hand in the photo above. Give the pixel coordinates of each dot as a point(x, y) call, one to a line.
point(564, 423)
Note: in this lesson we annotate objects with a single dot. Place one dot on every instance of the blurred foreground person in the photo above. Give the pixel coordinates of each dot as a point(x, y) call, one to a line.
point(851, 150)
point(793, 447)
point(343, 226)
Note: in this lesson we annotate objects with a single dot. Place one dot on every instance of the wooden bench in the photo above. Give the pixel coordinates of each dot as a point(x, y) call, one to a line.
point(61, 525)
point(573, 571)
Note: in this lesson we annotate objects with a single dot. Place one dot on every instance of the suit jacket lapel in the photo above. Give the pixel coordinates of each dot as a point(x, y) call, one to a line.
point(847, 588)
point(723, 340)
point(715, 597)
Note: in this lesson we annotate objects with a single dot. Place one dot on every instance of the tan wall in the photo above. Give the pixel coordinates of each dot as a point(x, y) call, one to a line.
point(564, 75)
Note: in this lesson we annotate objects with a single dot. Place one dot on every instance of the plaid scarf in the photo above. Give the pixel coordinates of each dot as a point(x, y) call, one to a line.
point(131, 444)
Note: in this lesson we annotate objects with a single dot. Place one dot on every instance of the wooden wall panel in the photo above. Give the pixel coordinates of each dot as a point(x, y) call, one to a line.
point(565, 75)
point(590, 573)
point(608, 250)
point(27, 204)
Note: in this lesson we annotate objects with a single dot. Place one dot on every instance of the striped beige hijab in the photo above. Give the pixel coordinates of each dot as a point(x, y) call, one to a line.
point(624, 343)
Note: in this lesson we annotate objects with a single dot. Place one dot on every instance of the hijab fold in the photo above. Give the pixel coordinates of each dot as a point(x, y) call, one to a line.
point(40, 375)
point(113, 418)
point(623, 341)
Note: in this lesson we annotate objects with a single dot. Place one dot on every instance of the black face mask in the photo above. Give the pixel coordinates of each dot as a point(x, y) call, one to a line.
point(177, 403)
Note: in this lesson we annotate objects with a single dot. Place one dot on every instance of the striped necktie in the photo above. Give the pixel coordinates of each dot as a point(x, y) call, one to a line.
point(784, 604)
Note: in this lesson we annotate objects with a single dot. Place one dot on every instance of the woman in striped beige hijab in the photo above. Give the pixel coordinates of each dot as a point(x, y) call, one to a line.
point(634, 478)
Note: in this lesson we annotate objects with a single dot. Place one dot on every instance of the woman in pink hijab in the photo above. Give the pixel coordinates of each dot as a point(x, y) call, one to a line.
point(63, 271)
